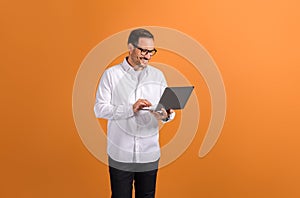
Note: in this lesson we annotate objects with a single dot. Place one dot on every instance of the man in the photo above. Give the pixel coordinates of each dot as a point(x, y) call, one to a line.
point(124, 93)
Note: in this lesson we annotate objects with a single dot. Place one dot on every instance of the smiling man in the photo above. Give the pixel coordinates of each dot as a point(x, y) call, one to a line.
point(132, 132)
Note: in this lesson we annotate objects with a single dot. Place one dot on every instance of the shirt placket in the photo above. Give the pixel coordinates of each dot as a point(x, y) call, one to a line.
point(137, 140)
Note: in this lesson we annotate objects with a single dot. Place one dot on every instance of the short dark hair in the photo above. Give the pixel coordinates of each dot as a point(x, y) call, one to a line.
point(136, 34)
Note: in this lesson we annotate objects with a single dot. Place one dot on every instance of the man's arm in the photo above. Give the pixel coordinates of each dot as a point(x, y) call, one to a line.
point(103, 107)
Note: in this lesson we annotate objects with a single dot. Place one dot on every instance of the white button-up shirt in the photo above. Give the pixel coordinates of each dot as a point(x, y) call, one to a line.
point(131, 137)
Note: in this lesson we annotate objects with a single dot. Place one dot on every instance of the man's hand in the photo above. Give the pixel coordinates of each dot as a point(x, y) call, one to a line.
point(163, 114)
point(141, 103)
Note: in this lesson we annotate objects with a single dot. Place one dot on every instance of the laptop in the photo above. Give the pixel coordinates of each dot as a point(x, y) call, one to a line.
point(173, 98)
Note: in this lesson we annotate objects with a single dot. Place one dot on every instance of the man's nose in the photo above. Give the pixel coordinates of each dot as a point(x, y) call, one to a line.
point(148, 56)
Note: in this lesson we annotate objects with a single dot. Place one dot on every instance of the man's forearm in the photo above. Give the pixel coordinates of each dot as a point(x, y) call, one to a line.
point(113, 112)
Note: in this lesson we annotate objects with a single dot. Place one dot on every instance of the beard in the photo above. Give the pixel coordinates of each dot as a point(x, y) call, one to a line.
point(141, 63)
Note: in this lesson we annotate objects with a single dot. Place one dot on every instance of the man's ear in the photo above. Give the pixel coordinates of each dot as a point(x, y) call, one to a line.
point(130, 47)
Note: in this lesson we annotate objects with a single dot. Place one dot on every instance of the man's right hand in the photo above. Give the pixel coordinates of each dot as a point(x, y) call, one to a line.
point(139, 104)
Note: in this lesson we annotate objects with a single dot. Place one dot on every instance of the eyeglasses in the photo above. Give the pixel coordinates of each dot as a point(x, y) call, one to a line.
point(144, 52)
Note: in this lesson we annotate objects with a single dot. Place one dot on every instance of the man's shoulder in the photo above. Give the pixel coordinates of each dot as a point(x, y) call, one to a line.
point(154, 69)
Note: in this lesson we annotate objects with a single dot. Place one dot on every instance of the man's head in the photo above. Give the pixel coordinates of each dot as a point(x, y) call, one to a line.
point(141, 48)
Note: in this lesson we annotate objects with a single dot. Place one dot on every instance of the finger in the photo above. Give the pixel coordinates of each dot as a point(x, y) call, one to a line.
point(143, 102)
point(147, 102)
point(164, 111)
point(142, 105)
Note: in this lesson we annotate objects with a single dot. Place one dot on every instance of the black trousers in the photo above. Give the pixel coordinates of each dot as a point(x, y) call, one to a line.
point(123, 176)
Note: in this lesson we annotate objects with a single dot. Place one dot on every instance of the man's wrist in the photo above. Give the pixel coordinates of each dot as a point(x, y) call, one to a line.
point(166, 119)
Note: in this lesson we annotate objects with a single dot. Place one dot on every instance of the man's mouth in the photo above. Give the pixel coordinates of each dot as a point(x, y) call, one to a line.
point(144, 59)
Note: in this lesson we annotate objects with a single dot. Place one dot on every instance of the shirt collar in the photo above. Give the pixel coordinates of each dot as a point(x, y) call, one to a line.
point(125, 65)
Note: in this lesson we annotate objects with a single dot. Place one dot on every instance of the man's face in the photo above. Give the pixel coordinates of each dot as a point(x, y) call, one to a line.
point(136, 54)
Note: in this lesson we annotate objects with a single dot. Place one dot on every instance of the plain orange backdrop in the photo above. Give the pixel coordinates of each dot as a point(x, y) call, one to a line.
point(255, 45)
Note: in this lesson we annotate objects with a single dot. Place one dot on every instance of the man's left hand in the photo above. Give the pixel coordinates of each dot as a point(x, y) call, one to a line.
point(162, 114)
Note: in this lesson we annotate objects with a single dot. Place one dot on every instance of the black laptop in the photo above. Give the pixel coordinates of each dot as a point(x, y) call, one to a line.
point(173, 98)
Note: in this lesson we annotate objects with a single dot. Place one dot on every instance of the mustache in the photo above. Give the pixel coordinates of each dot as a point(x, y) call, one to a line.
point(144, 58)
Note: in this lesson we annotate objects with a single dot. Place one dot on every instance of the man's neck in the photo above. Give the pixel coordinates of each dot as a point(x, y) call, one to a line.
point(129, 61)
point(134, 66)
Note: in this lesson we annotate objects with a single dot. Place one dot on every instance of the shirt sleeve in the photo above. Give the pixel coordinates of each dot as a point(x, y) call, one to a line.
point(103, 107)
point(172, 115)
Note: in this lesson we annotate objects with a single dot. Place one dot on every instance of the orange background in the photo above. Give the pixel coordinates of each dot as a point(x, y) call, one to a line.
point(254, 43)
